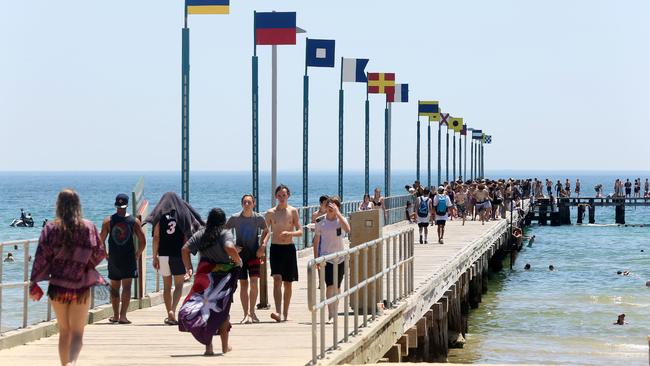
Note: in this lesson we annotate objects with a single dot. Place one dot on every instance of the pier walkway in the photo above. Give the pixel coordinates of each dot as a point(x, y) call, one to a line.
point(148, 342)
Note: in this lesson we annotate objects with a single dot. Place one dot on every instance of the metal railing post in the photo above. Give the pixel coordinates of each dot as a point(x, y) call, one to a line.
point(1, 287)
point(312, 307)
point(364, 265)
point(388, 262)
point(322, 310)
point(26, 282)
point(346, 300)
point(335, 282)
point(395, 269)
point(356, 293)
point(373, 292)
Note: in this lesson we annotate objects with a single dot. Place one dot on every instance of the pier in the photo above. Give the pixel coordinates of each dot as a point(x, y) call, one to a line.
point(544, 211)
point(423, 296)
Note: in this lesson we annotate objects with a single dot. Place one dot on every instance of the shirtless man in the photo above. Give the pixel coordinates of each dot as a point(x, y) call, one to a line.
point(284, 224)
point(483, 204)
point(460, 199)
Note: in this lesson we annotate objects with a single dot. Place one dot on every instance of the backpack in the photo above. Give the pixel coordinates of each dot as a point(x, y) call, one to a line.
point(423, 209)
point(441, 209)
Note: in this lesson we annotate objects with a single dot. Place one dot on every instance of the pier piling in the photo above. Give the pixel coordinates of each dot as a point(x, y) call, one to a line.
point(440, 334)
point(592, 212)
point(620, 212)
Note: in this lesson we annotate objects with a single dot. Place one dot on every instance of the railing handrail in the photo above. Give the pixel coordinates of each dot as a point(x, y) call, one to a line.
point(376, 265)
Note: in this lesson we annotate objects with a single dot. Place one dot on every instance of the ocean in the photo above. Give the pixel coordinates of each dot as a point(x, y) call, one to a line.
point(536, 316)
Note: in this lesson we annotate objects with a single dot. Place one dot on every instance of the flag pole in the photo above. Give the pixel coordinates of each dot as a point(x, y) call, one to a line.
point(439, 154)
point(460, 156)
point(429, 154)
point(447, 153)
point(185, 111)
point(386, 158)
point(471, 158)
point(367, 167)
point(255, 122)
point(453, 154)
point(274, 121)
point(465, 156)
point(341, 100)
point(417, 152)
point(305, 137)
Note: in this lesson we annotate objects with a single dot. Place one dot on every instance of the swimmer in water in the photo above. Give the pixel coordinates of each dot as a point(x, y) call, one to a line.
point(620, 320)
point(551, 268)
point(531, 241)
point(527, 266)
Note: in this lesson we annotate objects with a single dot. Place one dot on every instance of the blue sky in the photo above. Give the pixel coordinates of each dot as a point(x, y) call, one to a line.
point(88, 85)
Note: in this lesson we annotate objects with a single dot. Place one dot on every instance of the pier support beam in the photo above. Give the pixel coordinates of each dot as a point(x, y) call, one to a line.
point(592, 212)
point(565, 212)
point(581, 214)
point(439, 346)
point(455, 318)
point(620, 213)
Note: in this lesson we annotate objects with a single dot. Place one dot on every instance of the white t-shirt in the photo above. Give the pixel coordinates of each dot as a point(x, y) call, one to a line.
point(331, 236)
point(436, 199)
point(423, 220)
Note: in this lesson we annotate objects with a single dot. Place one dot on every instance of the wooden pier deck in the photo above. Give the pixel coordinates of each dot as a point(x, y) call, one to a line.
point(148, 342)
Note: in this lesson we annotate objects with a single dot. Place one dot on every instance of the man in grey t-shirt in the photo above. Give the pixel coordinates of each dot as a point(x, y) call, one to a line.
point(247, 225)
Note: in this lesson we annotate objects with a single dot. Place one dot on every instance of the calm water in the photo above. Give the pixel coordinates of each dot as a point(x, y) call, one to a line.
point(537, 316)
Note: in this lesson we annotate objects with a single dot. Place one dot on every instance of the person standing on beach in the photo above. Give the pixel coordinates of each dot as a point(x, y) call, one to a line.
point(122, 255)
point(284, 222)
point(328, 239)
point(68, 251)
point(174, 221)
point(442, 204)
point(423, 207)
point(248, 224)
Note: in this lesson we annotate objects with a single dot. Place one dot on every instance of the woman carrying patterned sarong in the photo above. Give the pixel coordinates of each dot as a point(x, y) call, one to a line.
point(206, 309)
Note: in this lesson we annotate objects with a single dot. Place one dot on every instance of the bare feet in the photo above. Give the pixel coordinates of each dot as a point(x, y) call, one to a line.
point(276, 317)
point(208, 350)
point(285, 318)
point(247, 320)
point(254, 318)
point(229, 349)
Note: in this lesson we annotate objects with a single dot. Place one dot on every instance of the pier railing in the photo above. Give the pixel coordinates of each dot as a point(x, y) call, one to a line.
point(377, 274)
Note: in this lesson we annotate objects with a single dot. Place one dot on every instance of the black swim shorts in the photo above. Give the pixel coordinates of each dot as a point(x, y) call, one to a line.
point(284, 262)
point(329, 273)
point(441, 222)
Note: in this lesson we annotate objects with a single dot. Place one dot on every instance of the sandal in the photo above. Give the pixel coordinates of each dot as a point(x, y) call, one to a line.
point(124, 321)
point(112, 320)
point(170, 321)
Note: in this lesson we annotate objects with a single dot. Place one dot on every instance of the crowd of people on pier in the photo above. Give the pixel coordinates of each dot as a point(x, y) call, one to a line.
point(231, 250)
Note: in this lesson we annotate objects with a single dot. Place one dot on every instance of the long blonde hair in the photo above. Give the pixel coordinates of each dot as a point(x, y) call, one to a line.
point(69, 218)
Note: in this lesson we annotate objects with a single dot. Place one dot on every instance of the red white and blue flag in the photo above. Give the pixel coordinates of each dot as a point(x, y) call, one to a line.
point(401, 94)
point(275, 28)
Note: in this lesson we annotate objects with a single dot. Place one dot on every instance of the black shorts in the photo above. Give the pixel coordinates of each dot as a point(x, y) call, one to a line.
point(329, 273)
point(441, 222)
point(628, 190)
point(423, 224)
point(284, 262)
point(122, 267)
point(250, 264)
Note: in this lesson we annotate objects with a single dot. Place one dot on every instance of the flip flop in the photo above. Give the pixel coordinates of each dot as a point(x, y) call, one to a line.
point(170, 321)
point(124, 322)
point(112, 320)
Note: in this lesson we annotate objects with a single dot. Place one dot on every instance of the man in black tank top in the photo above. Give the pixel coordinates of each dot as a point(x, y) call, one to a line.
point(168, 240)
point(122, 255)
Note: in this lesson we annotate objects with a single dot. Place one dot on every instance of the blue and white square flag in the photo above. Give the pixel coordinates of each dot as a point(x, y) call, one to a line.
point(320, 52)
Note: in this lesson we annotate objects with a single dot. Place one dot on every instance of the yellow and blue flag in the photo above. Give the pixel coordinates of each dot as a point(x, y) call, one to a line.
point(430, 109)
point(208, 6)
point(456, 124)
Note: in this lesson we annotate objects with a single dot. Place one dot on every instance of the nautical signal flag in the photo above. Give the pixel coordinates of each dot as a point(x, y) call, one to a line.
point(208, 6)
point(354, 70)
point(275, 28)
point(429, 108)
point(456, 124)
point(401, 94)
point(444, 119)
point(463, 131)
point(320, 52)
point(488, 139)
point(381, 83)
point(477, 134)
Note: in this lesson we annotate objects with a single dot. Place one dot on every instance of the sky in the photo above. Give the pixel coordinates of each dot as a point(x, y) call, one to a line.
point(87, 85)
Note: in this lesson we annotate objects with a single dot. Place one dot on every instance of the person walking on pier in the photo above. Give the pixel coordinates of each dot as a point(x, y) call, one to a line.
point(206, 309)
point(174, 221)
point(68, 251)
point(122, 255)
point(423, 214)
point(558, 188)
point(284, 222)
point(248, 225)
point(461, 201)
point(328, 239)
point(442, 203)
point(366, 204)
point(628, 188)
point(483, 204)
